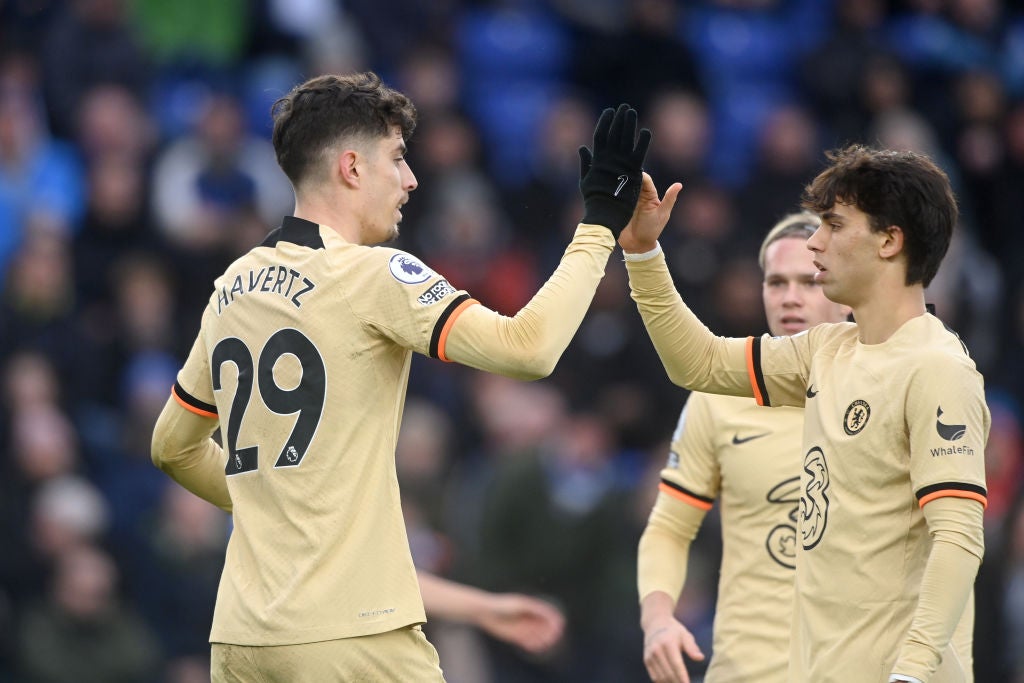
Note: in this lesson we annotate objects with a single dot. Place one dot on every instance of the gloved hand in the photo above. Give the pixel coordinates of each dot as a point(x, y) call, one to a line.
point(610, 176)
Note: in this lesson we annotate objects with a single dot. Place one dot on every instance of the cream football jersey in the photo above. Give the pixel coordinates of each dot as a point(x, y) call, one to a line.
point(888, 427)
point(727, 448)
point(304, 355)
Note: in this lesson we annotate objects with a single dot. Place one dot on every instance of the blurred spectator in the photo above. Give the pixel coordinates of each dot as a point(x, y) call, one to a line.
point(635, 56)
point(394, 29)
point(37, 310)
point(941, 42)
point(217, 192)
point(42, 448)
point(747, 52)
point(967, 294)
point(117, 137)
point(787, 159)
point(82, 633)
point(68, 513)
point(280, 27)
point(118, 451)
point(337, 46)
point(208, 183)
point(431, 77)
point(998, 201)
point(544, 208)
point(177, 587)
point(146, 306)
point(976, 146)
point(840, 62)
point(884, 87)
point(447, 149)
point(683, 128)
point(41, 188)
point(423, 461)
point(90, 43)
point(703, 231)
point(29, 382)
point(31, 391)
point(112, 122)
point(737, 297)
point(506, 419)
point(116, 222)
point(554, 523)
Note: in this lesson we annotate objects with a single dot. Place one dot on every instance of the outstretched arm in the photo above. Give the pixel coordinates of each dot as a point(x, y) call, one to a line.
point(529, 623)
point(529, 344)
point(693, 357)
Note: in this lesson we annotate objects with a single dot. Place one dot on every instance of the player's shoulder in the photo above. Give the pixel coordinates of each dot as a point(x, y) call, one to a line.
point(822, 335)
point(935, 355)
point(928, 341)
point(831, 333)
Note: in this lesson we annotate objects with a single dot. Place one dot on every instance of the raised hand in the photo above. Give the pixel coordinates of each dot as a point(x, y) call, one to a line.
point(610, 175)
point(649, 219)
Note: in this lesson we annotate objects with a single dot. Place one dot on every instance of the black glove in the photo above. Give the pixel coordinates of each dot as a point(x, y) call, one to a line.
point(610, 177)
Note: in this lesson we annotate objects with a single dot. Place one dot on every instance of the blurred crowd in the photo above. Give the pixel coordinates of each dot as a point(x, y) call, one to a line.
point(135, 165)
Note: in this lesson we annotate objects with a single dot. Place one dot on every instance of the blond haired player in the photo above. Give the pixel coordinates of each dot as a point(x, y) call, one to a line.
point(302, 361)
point(729, 449)
point(892, 487)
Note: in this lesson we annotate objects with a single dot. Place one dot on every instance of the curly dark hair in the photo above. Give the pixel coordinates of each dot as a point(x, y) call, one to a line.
point(892, 187)
point(317, 113)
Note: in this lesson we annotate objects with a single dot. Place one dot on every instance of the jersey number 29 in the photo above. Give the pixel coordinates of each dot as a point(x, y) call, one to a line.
point(306, 398)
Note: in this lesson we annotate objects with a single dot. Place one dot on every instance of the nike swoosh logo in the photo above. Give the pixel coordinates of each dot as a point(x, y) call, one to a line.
point(623, 179)
point(811, 393)
point(736, 440)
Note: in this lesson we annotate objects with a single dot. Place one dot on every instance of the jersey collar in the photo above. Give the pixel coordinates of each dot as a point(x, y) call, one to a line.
point(297, 231)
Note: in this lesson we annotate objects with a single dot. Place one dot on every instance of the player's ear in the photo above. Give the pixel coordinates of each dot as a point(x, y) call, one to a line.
point(348, 167)
point(891, 242)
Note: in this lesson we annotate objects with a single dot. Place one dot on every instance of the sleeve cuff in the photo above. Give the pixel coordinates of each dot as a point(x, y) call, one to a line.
point(645, 256)
point(903, 678)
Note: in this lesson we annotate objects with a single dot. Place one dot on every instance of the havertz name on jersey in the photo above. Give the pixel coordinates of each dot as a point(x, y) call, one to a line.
point(269, 279)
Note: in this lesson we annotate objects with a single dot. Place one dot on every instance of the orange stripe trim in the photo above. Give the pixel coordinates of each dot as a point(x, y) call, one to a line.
point(443, 339)
point(679, 495)
point(953, 493)
point(191, 408)
point(751, 374)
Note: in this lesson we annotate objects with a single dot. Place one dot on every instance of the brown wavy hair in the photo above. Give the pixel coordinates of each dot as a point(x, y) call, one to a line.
point(900, 188)
point(316, 114)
